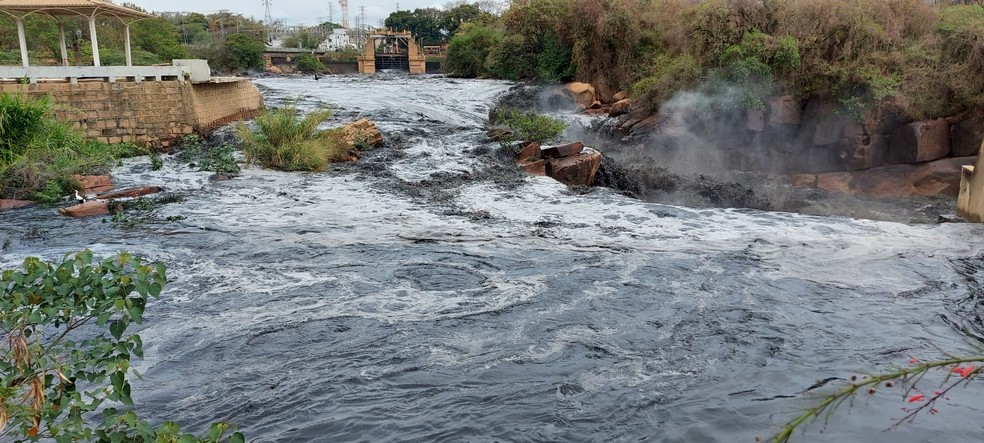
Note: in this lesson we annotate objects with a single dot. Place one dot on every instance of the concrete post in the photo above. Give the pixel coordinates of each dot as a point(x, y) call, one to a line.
point(126, 47)
point(22, 39)
point(61, 43)
point(95, 41)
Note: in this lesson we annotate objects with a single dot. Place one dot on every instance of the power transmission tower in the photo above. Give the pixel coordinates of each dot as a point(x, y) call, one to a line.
point(345, 21)
point(267, 17)
point(331, 13)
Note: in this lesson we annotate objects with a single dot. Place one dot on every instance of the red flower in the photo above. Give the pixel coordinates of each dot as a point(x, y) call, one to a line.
point(913, 360)
point(917, 397)
point(934, 411)
point(937, 393)
point(964, 371)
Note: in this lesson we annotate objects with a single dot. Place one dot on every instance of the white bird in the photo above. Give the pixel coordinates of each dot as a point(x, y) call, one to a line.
point(78, 197)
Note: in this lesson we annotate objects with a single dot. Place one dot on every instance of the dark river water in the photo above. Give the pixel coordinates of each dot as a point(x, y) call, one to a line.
point(415, 296)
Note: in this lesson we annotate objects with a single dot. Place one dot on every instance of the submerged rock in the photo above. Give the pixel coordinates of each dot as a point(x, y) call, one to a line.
point(130, 192)
point(7, 203)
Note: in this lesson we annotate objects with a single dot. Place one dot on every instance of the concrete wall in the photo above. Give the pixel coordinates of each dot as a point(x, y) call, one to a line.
point(150, 113)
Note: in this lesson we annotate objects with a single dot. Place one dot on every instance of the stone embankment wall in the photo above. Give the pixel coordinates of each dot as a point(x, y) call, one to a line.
point(149, 113)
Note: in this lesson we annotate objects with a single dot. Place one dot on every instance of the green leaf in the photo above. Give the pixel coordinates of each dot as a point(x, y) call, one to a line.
point(237, 437)
point(116, 328)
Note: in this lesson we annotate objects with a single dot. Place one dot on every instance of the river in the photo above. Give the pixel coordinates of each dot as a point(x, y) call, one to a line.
point(417, 295)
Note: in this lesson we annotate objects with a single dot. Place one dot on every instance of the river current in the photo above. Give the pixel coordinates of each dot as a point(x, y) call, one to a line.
point(415, 296)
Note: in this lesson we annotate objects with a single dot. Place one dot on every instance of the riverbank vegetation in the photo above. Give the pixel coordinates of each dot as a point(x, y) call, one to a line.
point(57, 383)
point(39, 153)
point(919, 59)
point(283, 139)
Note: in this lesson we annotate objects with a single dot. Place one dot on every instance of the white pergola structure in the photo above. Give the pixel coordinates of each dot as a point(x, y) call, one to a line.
point(18, 9)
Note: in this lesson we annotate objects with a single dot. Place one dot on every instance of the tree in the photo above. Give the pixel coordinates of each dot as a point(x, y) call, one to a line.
point(424, 24)
point(66, 352)
point(308, 64)
point(243, 52)
point(160, 37)
point(469, 50)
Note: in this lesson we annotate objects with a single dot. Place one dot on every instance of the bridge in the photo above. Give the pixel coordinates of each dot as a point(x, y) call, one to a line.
point(391, 50)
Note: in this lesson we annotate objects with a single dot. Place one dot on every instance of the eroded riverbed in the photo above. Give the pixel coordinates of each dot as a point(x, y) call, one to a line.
point(417, 296)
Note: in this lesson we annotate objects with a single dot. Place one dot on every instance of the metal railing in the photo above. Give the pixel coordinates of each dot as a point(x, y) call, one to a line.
point(111, 74)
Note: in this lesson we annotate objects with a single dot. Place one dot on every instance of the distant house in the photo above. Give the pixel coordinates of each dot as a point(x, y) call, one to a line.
point(339, 40)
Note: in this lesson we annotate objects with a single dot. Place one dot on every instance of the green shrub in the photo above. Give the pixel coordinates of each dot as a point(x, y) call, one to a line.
point(531, 126)
point(670, 76)
point(308, 64)
point(54, 379)
point(553, 64)
point(37, 149)
point(284, 140)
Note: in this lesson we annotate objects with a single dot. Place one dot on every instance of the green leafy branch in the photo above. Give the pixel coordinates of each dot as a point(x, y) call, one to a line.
point(908, 377)
point(66, 352)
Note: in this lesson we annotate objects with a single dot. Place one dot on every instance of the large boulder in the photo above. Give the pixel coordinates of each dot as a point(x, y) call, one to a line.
point(919, 142)
point(967, 134)
point(620, 107)
point(86, 209)
point(576, 170)
point(583, 94)
point(362, 131)
point(530, 150)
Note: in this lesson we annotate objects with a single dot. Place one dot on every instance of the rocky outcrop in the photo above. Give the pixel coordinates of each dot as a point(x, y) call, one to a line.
point(583, 94)
point(967, 134)
point(86, 209)
point(940, 177)
point(572, 164)
point(362, 131)
point(784, 110)
point(577, 170)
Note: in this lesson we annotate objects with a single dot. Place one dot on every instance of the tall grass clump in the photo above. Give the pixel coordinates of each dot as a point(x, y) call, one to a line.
point(39, 154)
point(284, 140)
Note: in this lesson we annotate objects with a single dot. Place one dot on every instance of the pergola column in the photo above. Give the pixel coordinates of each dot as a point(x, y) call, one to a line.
point(61, 43)
point(126, 45)
point(22, 39)
point(95, 41)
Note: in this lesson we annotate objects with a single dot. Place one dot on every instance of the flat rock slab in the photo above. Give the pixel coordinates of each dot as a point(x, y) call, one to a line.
point(568, 150)
point(575, 171)
point(86, 209)
point(130, 192)
point(7, 203)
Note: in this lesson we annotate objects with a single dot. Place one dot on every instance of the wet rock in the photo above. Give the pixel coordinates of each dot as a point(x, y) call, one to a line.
point(533, 166)
point(86, 209)
point(620, 107)
point(803, 180)
point(130, 192)
point(275, 70)
point(530, 150)
point(619, 96)
point(559, 151)
point(7, 203)
point(362, 131)
point(840, 182)
point(583, 94)
point(221, 176)
point(918, 142)
point(784, 110)
point(94, 184)
point(577, 170)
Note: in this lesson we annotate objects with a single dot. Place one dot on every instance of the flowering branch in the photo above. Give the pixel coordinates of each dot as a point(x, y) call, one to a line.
point(909, 376)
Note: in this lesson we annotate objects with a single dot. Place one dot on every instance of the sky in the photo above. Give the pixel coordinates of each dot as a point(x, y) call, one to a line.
point(295, 12)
